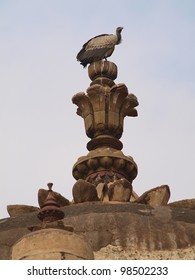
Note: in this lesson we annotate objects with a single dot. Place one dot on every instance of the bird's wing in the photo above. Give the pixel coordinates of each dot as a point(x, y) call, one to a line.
point(94, 54)
point(101, 41)
point(97, 48)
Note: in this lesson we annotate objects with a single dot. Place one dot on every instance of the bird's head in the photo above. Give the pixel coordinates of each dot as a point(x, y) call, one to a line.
point(119, 29)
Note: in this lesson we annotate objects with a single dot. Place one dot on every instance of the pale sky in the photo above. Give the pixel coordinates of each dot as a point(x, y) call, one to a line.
point(41, 135)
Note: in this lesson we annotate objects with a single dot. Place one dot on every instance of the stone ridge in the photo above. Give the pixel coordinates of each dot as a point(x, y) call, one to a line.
point(131, 226)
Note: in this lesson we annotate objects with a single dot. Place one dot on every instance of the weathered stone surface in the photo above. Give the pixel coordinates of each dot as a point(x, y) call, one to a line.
point(131, 226)
point(48, 244)
point(49, 225)
point(155, 197)
point(118, 253)
point(135, 226)
point(42, 195)
point(102, 68)
point(120, 190)
point(102, 191)
point(84, 191)
point(105, 160)
point(17, 209)
point(185, 203)
point(5, 252)
point(104, 107)
point(7, 238)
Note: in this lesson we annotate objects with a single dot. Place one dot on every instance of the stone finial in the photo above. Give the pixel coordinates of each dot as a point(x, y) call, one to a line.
point(102, 72)
point(103, 108)
point(50, 185)
point(50, 211)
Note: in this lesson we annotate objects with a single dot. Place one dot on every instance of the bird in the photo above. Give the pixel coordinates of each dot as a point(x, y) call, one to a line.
point(99, 47)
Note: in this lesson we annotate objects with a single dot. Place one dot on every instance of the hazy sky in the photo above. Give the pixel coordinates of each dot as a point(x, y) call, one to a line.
point(41, 135)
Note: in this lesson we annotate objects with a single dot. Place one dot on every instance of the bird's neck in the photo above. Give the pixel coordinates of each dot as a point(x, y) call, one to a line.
point(118, 34)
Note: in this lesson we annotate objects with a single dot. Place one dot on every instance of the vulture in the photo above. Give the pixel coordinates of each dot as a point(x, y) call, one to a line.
point(99, 47)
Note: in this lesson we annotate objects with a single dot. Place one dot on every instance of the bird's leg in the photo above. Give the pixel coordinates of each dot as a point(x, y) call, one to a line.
point(105, 58)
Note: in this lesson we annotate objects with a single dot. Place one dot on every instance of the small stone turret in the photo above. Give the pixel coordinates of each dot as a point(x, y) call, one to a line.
point(52, 240)
point(103, 109)
point(50, 211)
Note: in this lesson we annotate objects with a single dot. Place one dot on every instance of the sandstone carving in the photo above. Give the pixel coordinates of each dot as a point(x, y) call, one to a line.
point(102, 192)
point(50, 211)
point(83, 191)
point(42, 195)
point(120, 190)
point(155, 197)
point(18, 209)
point(103, 109)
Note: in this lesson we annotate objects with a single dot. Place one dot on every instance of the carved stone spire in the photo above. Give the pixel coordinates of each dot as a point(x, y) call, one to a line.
point(103, 109)
point(50, 211)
